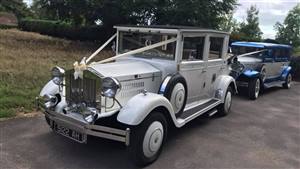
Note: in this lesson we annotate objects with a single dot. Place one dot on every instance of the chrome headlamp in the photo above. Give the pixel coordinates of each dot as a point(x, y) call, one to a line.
point(50, 101)
point(110, 87)
point(57, 75)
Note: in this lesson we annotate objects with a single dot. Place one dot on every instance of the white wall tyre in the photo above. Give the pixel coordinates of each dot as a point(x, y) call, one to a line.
point(147, 139)
point(288, 81)
point(177, 98)
point(176, 93)
point(224, 108)
point(254, 88)
point(263, 74)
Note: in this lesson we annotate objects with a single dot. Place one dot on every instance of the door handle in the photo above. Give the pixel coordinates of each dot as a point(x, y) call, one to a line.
point(203, 71)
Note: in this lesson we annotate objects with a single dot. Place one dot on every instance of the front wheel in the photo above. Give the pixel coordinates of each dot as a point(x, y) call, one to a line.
point(288, 80)
point(224, 108)
point(147, 139)
point(253, 88)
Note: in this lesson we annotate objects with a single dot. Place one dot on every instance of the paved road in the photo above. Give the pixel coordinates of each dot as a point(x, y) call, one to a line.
point(257, 134)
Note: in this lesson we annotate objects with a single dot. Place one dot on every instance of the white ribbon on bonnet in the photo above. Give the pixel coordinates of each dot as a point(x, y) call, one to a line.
point(80, 67)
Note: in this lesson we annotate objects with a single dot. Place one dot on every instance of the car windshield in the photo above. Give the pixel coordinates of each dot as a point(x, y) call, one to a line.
point(239, 50)
point(129, 41)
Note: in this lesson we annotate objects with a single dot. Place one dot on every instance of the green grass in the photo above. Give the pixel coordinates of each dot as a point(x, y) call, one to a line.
point(25, 63)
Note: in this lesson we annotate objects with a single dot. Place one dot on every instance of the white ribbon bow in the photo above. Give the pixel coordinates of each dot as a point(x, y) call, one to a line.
point(79, 68)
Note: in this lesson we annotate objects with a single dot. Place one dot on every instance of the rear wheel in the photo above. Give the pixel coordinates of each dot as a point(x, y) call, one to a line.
point(253, 88)
point(176, 93)
point(147, 139)
point(288, 81)
point(224, 108)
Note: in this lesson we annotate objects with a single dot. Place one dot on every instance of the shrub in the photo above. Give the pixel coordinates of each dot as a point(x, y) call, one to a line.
point(65, 30)
point(8, 26)
point(295, 64)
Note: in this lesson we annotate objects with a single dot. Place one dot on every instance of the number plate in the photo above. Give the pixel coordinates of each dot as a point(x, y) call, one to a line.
point(72, 134)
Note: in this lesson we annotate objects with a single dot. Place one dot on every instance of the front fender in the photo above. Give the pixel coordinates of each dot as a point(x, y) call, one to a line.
point(53, 89)
point(138, 107)
point(50, 88)
point(285, 72)
point(221, 85)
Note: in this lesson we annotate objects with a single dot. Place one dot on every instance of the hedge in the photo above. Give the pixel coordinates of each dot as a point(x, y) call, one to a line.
point(295, 64)
point(8, 26)
point(64, 30)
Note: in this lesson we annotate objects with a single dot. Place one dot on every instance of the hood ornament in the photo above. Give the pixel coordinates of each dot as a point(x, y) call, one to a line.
point(79, 68)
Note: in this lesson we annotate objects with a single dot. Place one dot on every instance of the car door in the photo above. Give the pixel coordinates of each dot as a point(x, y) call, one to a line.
point(282, 60)
point(273, 64)
point(192, 66)
point(215, 62)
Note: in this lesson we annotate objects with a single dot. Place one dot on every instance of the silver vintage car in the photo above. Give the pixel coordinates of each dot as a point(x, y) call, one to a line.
point(161, 76)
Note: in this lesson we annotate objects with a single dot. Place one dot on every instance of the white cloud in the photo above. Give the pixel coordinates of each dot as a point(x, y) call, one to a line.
point(270, 12)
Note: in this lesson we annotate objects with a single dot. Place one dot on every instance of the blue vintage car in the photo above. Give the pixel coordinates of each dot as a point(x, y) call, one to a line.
point(257, 66)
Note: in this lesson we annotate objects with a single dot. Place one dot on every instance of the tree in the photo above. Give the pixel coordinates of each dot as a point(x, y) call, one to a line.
point(229, 24)
point(250, 29)
point(17, 7)
point(173, 12)
point(201, 13)
point(289, 31)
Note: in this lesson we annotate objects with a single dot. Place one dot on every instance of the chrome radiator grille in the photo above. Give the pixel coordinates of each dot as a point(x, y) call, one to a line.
point(86, 90)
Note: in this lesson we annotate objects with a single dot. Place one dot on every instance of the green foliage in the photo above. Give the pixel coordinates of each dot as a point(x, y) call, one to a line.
point(295, 64)
point(63, 29)
point(297, 51)
point(111, 12)
point(7, 26)
point(250, 29)
point(18, 7)
point(289, 31)
point(229, 24)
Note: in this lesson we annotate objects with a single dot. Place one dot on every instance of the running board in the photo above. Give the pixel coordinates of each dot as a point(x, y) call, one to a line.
point(213, 112)
point(196, 111)
point(273, 84)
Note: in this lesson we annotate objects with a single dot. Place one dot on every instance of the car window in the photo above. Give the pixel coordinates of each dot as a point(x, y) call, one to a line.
point(193, 48)
point(216, 47)
point(281, 54)
point(129, 41)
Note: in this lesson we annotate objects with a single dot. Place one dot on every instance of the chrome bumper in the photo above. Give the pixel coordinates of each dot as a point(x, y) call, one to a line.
point(69, 121)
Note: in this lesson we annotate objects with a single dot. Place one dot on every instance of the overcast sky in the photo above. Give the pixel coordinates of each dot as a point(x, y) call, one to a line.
point(270, 11)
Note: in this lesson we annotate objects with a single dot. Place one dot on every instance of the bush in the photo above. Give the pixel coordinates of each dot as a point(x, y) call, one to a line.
point(8, 26)
point(64, 30)
point(295, 64)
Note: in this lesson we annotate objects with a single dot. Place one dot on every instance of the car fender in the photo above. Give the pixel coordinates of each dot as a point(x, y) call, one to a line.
point(139, 106)
point(50, 88)
point(251, 73)
point(221, 85)
point(53, 89)
point(286, 70)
